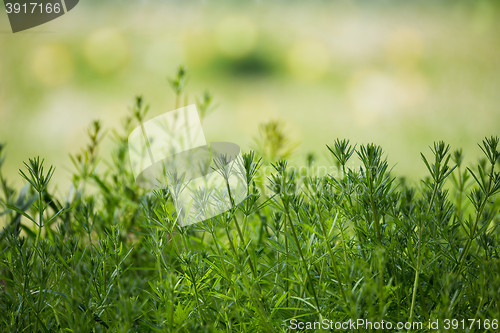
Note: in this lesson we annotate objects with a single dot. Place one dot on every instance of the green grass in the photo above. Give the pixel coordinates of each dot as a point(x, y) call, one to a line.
point(363, 244)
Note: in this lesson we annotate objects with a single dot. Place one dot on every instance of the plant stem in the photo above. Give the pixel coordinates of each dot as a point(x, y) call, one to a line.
point(330, 252)
point(233, 215)
point(420, 255)
point(296, 239)
point(376, 220)
point(466, 249)
point(464, 253)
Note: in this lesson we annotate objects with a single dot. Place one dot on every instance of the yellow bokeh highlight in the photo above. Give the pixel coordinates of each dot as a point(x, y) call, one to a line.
point(308, 60)
point(374, 94)
point(236, 36)
point(163, 56)
point(413, 88)
point(52, 64)
point(107, 50)
point(198, 47)
point(404, 47)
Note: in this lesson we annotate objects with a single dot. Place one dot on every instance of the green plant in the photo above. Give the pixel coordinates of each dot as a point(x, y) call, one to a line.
point(111, 257)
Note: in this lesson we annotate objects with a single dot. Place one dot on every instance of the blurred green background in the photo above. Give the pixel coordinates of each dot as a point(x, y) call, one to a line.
point(401, 75)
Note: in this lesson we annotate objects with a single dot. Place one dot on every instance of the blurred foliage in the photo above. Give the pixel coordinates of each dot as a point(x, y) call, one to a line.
point(397, 73)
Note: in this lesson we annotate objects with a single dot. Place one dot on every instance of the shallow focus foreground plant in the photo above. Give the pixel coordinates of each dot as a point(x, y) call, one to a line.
point(110, 257)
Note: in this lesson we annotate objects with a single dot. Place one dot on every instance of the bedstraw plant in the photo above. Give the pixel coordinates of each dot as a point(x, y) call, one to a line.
point(109, 256)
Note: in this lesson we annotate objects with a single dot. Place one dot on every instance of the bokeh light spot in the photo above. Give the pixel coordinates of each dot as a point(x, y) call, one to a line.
point(374, 94)
point(198, 47)
point(52, 64)
point(236, 36)
point(404, 47)
point(308, 60)
point(107, 50)
point(163, 56)
point(413, 89)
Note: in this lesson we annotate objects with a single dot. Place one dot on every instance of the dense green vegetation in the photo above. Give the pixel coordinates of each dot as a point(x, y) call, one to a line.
point(110, 257)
